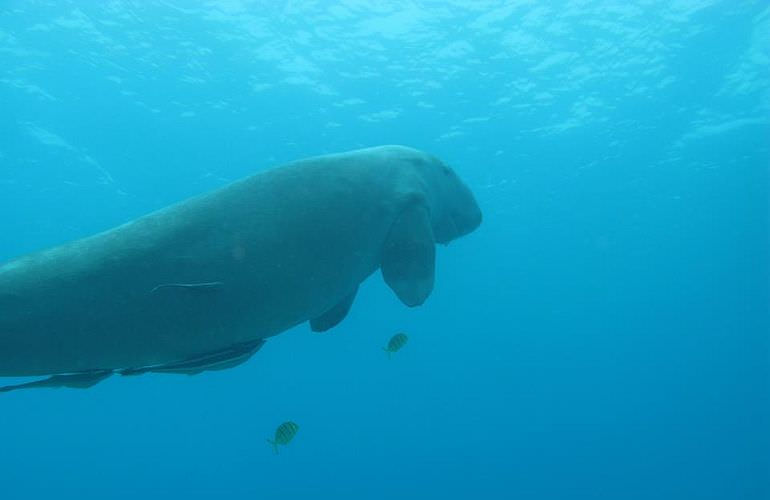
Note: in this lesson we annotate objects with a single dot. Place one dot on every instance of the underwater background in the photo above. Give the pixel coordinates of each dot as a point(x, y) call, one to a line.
point(602, 335)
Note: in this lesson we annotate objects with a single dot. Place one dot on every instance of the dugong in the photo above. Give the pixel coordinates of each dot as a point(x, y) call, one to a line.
point(200, 284)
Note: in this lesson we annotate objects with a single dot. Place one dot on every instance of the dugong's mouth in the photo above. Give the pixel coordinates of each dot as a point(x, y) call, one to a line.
point(459, 224)
point(466, 222)
point(453, 232)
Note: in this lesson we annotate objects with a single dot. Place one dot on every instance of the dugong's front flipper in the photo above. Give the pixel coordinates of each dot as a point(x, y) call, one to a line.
point(333, 316)
point(215, 360)
point(409, 254)
point(82, 380)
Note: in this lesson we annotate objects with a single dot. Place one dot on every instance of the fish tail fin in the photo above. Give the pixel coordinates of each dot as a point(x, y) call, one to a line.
point(387, 351)
point(275, 445)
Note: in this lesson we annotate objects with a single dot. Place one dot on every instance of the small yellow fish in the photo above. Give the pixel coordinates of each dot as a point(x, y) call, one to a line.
point(395, 343)
point(283, 434)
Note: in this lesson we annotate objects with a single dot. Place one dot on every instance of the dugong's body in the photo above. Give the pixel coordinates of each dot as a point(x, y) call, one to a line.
point(196, 285)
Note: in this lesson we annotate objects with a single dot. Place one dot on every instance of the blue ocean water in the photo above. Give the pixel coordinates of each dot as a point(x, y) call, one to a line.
point(602, 335)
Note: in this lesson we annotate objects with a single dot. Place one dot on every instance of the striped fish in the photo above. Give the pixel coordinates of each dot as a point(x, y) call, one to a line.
point(395, 343)
point(283, 434)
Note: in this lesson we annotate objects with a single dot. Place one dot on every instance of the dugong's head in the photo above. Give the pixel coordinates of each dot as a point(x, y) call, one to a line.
point(437, 207)
point(452, 207)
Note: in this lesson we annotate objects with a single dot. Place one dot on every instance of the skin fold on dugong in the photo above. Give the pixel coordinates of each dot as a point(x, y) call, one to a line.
point(200, 284)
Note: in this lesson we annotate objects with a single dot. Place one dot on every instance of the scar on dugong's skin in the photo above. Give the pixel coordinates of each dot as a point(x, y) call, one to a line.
point(199, 285)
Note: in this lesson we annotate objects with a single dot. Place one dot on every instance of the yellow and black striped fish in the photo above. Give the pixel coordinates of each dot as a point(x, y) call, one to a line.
point(283, 434)
point(395, 343)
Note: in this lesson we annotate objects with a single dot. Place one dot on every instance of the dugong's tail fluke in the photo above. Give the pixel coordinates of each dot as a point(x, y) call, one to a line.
point(75, 380)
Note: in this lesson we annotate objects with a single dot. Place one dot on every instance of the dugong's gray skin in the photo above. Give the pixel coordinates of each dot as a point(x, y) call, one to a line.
point(196, 285)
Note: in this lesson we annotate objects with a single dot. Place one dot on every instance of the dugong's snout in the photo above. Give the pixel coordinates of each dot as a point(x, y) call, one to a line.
point(461, 213)
point(466, 217)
